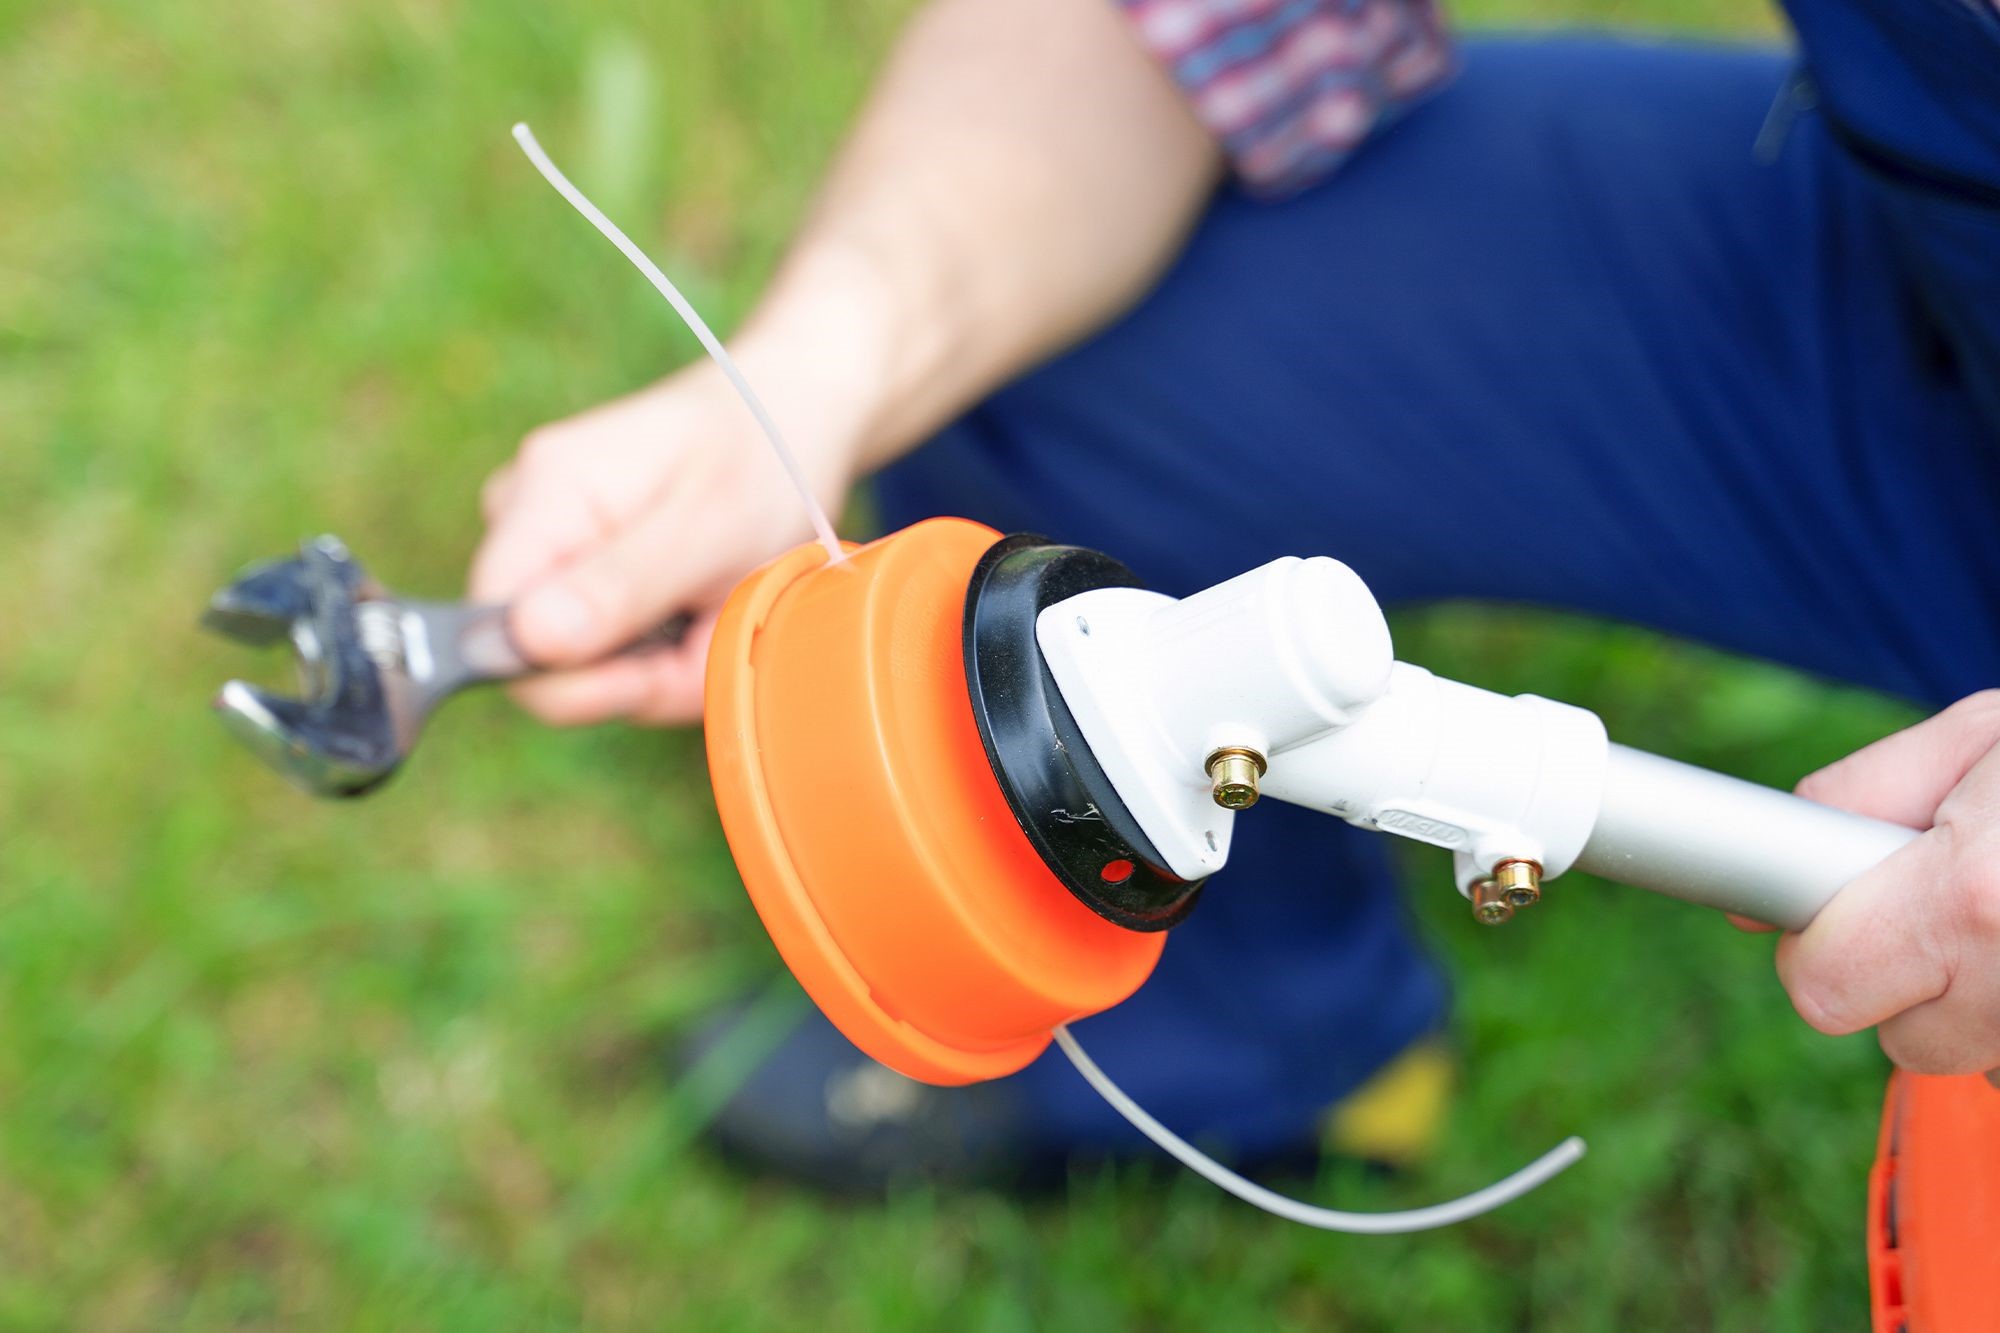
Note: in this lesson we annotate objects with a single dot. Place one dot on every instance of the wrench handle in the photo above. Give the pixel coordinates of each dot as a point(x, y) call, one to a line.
point(475, 645)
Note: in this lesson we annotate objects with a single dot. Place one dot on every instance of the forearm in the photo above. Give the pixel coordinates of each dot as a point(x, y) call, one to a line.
point(1021, 173)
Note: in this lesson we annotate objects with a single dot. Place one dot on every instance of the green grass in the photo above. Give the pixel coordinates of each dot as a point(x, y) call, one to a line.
point(267, 269)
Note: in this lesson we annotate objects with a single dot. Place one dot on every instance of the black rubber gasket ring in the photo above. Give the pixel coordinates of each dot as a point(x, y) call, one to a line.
point(1058, 793)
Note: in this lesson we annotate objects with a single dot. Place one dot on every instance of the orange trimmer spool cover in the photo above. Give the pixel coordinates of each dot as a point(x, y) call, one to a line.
point(867, 823)
point(1934, 1207)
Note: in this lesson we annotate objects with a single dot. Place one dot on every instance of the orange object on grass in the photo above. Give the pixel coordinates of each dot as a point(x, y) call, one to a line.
point(869, 828)
point(1934, 1207)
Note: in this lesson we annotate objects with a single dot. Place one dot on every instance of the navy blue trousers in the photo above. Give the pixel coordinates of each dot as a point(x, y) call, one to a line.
point(1749, 399)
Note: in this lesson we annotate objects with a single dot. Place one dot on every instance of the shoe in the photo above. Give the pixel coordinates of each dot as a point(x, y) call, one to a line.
point(813, 1109)
point(1395, 1119)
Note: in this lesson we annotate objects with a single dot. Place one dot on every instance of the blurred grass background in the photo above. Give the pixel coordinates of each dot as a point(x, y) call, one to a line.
point(269, 269)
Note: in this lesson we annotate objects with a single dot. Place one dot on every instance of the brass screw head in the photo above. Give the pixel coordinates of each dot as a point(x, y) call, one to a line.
point(1234, 770)
point(1489, 907)
point(1519, 882)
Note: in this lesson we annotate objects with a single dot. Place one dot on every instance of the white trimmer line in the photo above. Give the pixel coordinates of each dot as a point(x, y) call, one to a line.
point(696, 325)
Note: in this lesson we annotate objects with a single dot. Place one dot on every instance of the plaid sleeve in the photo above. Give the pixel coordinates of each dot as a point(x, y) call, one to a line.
point(1291, 87)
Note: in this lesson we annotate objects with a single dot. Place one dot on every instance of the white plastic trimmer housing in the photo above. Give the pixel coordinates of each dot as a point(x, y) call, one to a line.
point(1294, 662)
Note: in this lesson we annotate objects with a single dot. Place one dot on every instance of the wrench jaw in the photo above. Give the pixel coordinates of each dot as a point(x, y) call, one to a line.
point(262, 606)
point(354, 723)
point(304, 745)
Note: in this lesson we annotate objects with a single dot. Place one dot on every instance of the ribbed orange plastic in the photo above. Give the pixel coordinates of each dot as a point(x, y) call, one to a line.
point(1934, 1207)
point(867, 823)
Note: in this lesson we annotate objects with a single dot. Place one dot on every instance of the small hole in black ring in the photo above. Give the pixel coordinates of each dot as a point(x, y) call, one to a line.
point(1116, 872)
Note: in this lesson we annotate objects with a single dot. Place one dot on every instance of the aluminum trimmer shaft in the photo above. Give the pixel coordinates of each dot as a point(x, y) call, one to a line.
point(1719, 841)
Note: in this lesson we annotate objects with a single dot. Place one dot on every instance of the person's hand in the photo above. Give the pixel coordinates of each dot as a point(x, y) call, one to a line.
point(1912, 947)
point(607, 524)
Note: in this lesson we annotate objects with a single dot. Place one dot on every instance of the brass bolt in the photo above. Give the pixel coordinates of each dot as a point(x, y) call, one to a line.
point(1234, 769)
point(1489, 906)
point(1519, 882)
